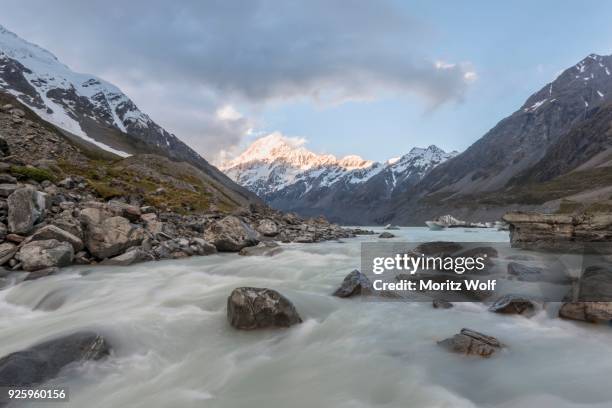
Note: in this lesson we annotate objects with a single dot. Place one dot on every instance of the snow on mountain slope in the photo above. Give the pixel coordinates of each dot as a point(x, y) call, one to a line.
point(91, 108)
point(65, 98)
point(275, 163)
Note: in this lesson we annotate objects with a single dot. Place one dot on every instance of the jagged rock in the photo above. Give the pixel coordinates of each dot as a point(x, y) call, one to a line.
point(37, 255)
point(268, 228)
point(53, 232)
point(108, 237)
point(470, 342)
point(67, 222)
point(26, 206)
point(231, 234)
point(386, 235)
point(354, 284)
point(441, 304)
point(130, 257)
point(513, 304)
point(262, 249)
point(7, 251)
point(41, 273)
point(259, 308)
point(44, 361)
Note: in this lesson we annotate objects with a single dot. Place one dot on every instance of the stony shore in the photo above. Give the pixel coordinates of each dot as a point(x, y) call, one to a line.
point(44, 226)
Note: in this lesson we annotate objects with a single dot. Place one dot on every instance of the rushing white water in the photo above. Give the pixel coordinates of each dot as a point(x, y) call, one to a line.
point(174, 348)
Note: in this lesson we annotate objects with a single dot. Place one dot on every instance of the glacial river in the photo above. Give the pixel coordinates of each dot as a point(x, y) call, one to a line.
point(173, 346)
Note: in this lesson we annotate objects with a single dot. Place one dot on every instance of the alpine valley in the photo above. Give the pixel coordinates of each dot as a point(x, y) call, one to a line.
point(349, 190)
point(553, 154)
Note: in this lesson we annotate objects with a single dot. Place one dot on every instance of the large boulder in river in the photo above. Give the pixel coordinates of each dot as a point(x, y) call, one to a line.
point(106, 237)
point(37, 255)
point(470, 342)
point(54, 232)
point(44, 361)
point(513, 304)
point(231, 234)
point(26, 207)
point(259, 308)
point(354, 284)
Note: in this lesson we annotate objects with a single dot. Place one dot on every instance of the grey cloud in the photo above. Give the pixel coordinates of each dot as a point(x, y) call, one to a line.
point(247, 51)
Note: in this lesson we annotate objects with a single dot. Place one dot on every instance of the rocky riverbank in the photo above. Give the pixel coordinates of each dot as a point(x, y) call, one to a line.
point(559, 232)
point(44, 226)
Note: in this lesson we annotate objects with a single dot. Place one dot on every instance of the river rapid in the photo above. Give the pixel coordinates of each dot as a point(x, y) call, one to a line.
point(173, 346)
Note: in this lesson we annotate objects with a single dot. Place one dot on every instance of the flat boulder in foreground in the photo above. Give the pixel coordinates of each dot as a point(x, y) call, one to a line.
point(470, 342)
point(44, 361)
point(260, 308)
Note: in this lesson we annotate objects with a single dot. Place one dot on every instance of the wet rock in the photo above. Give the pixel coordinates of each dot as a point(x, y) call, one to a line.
point(231, 234)
point(44, 361)
point(108, 237)
point(203, 247)
point(354, 284)
point(259, 308)
point(37, 255)
point(593, 312)
point(304, 239)
point(26, 206)
point(54, 232)
point(41, 273)
point(593, 300)
point(441, 304)
point(268, 228)
point(513, 304)
point(262, 249)
point(527, 273)
point(386, 235)
point(130, 257)
point(470, 342)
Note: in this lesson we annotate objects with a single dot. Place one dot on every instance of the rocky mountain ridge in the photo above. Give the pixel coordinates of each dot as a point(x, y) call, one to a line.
point(291, 178)
point(554, 148)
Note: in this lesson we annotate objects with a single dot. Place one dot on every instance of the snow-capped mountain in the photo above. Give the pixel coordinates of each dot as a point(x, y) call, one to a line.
point(86, 106)
point(290, 177)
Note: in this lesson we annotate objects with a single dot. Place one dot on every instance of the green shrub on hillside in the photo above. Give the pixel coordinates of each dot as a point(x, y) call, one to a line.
point(33, 173)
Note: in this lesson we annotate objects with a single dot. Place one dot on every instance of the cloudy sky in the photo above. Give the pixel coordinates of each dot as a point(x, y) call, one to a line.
point(372, 78)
